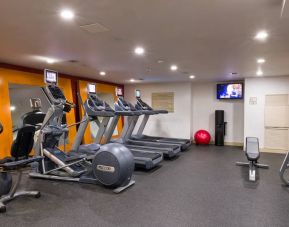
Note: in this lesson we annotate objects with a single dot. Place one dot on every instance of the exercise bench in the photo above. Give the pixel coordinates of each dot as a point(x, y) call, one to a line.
point(252, 154)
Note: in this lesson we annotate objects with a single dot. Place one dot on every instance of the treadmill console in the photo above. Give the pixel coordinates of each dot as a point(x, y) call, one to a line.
point(118, 92)
point(93, 104)
point(96, 104)
point(141, 105)
point(137, 93)
point(121, 104)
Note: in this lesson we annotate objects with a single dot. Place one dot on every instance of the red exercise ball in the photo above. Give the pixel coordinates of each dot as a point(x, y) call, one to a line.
point(202, 137)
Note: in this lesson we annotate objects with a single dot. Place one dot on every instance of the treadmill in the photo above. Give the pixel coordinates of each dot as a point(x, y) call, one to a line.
point(132, 114)
point(141, 105)
point(94, 108)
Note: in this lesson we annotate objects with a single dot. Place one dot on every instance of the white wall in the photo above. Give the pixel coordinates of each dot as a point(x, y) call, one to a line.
point(195, 106)
point(254, 114)
point(204, 105)
point(177, 124)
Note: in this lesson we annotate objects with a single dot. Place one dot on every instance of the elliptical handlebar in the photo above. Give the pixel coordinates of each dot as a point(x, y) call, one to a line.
point(71, 104)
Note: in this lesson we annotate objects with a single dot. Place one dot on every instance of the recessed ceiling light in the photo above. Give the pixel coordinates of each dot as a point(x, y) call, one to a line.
point(50, 61)
point(102, 73)
point(261, 60)
point(12, 108)
point(139, 50)
point(259, 72)
point(160, 61)
point(261, 35)
point(67, 14)
point(132, 80)
point(192, 77)
point(174, 67)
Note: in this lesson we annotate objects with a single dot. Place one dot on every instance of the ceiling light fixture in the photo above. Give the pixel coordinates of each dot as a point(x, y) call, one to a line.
point(259, 72)
point(261, 60)
point(132, 80)
point(102, 73)
point(174, 67)
point(192, 77)
point(67, 14)
point(50, 61)
point(261, 35)
point(139, 51)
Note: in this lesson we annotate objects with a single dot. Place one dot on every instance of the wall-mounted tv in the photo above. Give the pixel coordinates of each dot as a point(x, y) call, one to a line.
point(230, 91)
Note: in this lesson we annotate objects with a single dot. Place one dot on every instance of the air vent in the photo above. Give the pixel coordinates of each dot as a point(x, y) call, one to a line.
point(73, 61)
point(94, 28)
point(118, 39)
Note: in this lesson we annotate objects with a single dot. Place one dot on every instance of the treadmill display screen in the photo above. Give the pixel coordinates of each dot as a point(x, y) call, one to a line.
point(118, 91)
point(50, 76)
point(91, 88)
point(137, 93)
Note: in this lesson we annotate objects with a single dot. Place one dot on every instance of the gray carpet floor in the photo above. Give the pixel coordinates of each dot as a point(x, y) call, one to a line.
point(202, 187)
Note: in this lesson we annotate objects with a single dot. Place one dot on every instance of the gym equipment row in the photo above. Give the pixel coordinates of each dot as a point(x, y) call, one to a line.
point(111, 164)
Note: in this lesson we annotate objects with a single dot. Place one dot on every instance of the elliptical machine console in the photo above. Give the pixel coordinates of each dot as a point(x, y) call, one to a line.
point(112, 165)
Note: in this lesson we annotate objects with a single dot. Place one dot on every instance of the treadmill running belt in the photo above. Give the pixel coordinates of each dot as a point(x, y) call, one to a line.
point(152, 156)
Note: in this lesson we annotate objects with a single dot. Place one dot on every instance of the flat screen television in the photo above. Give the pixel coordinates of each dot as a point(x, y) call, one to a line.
point(230, 91)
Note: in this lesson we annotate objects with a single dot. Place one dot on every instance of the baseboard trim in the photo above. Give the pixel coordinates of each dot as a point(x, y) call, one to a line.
point(235, 144)
point(274, 151)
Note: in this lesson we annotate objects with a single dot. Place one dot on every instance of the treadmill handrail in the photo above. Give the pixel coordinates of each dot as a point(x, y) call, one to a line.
point(124, 113)
point(145, 107)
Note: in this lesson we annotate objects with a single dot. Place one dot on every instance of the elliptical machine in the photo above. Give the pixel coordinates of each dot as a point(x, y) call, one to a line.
point(19, 159)
point(112, 165)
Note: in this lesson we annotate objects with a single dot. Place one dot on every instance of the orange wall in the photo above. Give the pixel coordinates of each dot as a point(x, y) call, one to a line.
point(18, 77)
point(101, 88)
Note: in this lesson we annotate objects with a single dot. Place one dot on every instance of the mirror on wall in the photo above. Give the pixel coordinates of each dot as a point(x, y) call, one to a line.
point(109, 99)
point(20, 96)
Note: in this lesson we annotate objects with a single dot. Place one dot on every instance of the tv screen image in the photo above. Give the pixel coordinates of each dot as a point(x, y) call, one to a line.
point(91, 88)
point(50, 76)
point(137, 93)
point(118, 91)
point(230, 91)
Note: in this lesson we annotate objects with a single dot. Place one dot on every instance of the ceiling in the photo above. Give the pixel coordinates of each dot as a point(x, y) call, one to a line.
point(207, 38)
